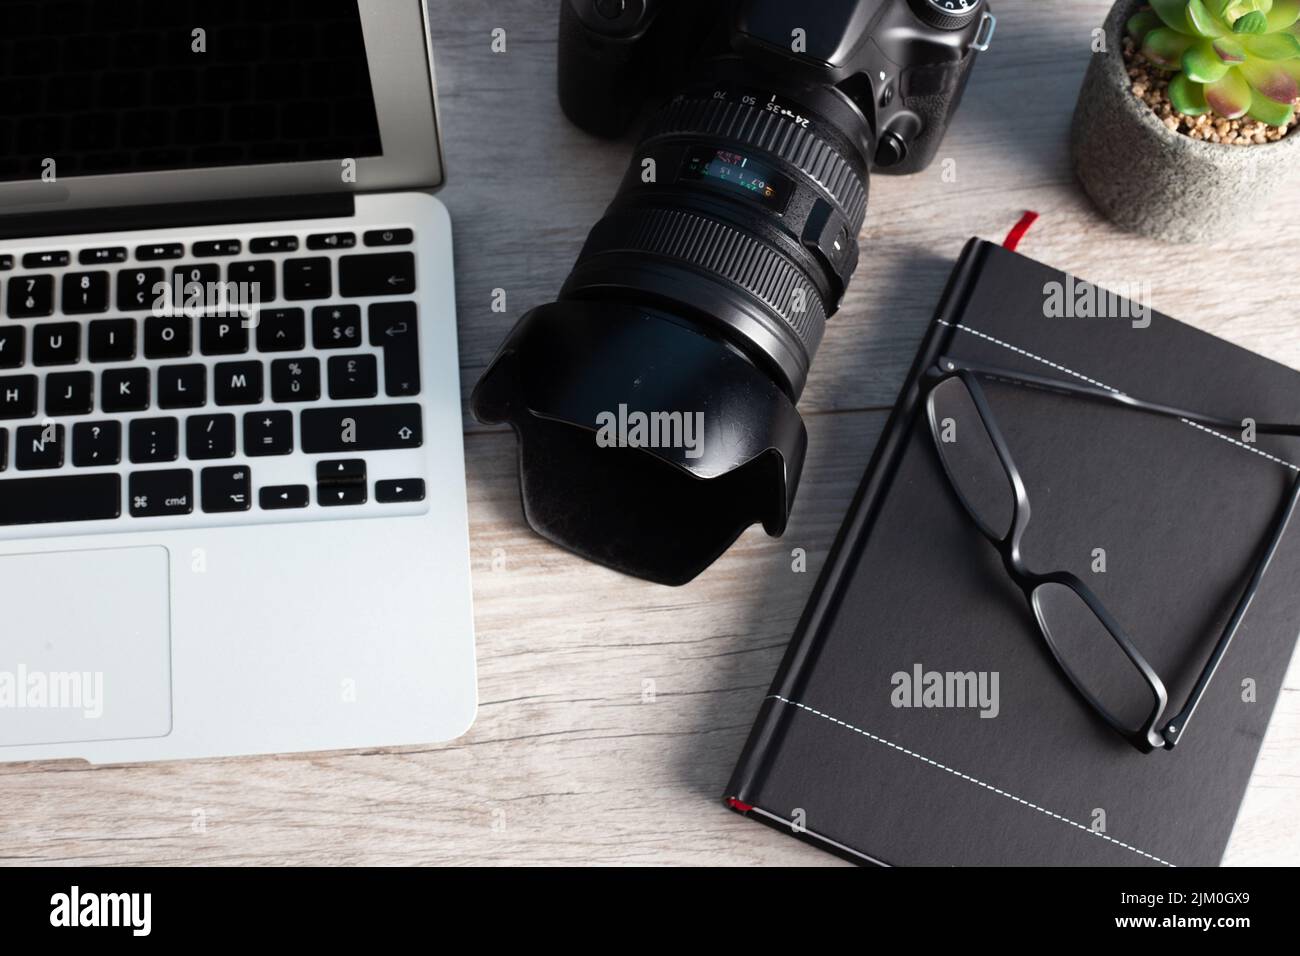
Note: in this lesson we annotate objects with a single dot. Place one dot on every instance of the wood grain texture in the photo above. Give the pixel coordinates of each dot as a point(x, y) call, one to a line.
point(572, 759)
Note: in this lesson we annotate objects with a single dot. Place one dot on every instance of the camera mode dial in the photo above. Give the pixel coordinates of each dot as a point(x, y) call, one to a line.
point(946, 14)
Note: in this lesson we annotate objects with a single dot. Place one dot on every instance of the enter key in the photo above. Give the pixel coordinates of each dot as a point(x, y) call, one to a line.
point(393, 328)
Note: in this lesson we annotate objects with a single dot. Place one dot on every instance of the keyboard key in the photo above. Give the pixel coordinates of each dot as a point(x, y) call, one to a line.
point(281, 330)
point(226, 489)
point(402, 490)
point(6, 262)
point(95, 444)
point(341, 482)
point(332, 240)
point(182, 386)
point(352, 428)
point(161, 250)
point(221, 335)
point(56, 344)
point(219, 247)
point(264, 244)
point(334, 495)
point(282, 497)
point(85, 292)
point(4, 449)
point(268, 433)
point(196, 287)
point(124, 390)
point(209, 436)
point(237, 383)
point(168, 337)
point(295, 380)
point(60, 498)
point(102, 256)
point(152, 440)
point(138, 289)
point(111, 340)
point(393, 328)
point(160, 494)
point(46, 260)
point(13, 343)
point(38, 447)
point(353, 376)
point(258, 276)
point(346, 470)
point(336, 327)
point(388, 273)
point(389, 237)
point(31, 296)
point(18, 396)
point(69, 393)
point(307, 278)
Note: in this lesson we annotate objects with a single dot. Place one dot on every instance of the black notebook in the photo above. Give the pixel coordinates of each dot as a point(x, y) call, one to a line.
point(866, 743)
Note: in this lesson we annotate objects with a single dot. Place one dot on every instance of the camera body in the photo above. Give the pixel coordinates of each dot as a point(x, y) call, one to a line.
point(902, 65)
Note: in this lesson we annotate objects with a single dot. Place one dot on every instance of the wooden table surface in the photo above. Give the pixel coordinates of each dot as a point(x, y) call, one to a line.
point(613, 710)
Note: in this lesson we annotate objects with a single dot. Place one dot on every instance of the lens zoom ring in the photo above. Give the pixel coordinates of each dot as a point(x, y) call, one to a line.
point(733, 255)
point(798, 146)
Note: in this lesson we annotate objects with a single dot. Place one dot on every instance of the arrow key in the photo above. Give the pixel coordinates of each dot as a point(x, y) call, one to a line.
point(283, 497)
point(403, 489)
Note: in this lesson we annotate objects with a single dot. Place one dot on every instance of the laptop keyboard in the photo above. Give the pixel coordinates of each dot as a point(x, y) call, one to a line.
point(226, 378)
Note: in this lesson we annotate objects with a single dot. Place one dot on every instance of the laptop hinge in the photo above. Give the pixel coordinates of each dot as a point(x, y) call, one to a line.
point(226, 212)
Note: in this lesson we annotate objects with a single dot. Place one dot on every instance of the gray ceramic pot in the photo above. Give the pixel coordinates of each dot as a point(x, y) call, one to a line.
point(1148, 179)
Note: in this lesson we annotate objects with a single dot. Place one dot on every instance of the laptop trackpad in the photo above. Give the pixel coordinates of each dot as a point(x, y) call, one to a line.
point(85, 646)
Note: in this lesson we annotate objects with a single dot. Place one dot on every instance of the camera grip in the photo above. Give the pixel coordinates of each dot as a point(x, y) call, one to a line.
point(599, 83)
point(933, 93)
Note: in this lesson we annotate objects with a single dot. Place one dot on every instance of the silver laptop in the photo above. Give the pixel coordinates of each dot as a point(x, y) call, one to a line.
point(232, 496)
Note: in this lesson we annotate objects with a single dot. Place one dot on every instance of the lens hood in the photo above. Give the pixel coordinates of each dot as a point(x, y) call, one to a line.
point(645, 444)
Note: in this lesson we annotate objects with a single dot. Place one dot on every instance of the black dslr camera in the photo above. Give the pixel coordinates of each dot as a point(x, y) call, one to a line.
point(655, 400)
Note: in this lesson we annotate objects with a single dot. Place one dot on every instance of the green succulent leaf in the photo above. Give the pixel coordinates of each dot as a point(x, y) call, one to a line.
point(1203, 22)
point(1165, 47)
point(1270, 111)
point(1274, 46)
point(1219, 7)
point(1283, 14)
point(1230, 96)
point(1201, 64)
point(1270, 81)
point(1253, 22)
point(1229, 50)
point(1143, 22)
point(1173, 13)
point(1187, 97)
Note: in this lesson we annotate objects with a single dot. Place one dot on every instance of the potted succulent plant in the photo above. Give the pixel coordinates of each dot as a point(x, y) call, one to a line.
point(1184, 126)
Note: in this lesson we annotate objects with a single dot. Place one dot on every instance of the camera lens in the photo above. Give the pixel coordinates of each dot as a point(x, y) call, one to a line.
point(741, 210)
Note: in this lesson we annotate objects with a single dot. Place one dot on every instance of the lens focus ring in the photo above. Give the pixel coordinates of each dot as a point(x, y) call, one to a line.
point(748, 125)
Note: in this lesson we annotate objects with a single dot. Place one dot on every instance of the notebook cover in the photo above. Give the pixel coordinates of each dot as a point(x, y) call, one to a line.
point(1181, 513)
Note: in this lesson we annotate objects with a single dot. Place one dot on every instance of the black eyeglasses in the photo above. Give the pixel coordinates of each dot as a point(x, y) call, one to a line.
point(1088, 643)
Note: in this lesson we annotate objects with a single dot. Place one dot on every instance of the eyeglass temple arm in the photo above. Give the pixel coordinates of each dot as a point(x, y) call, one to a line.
point(1101, 393)
point(1177, 724)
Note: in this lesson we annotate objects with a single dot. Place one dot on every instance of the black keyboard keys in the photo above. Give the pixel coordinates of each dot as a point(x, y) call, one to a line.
point(220, 335)
point(281, 330)
point(265, 244)
point(226, 489)
point(258, 277)
point(46, 260)
point(386, 273)
point(353, 376)
point(196, 287)
point(95, 444)
point(307, 278)
point(161, 494)
point(389, 237)
point(219, 247)
point(160, 250)
point(352, 428)
point(111, 340)
point(60, 498)
point(399, 491)
point(341, 482)
point(152, 440)
point(182, 386)
point(237, 383)
point(13, 343)
point(4, 449)
point(31, 296)
point(168, 337)
point(336, 327)
point(124, 390)
point(17, 396)
point(137, 289)
point(102, 256)
point(295, 380)
point(393, 328)
point(332, 240)
point(209, 436)
point(38, 447)
point(58, 343)
point(69, 393)
point(85, 292)
point(283, 497)
point(268, 433)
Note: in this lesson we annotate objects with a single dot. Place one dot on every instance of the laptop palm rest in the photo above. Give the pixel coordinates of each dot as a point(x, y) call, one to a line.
point(85, 646)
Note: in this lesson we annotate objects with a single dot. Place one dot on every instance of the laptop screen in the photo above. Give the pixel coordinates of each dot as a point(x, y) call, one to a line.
point(98, 87)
